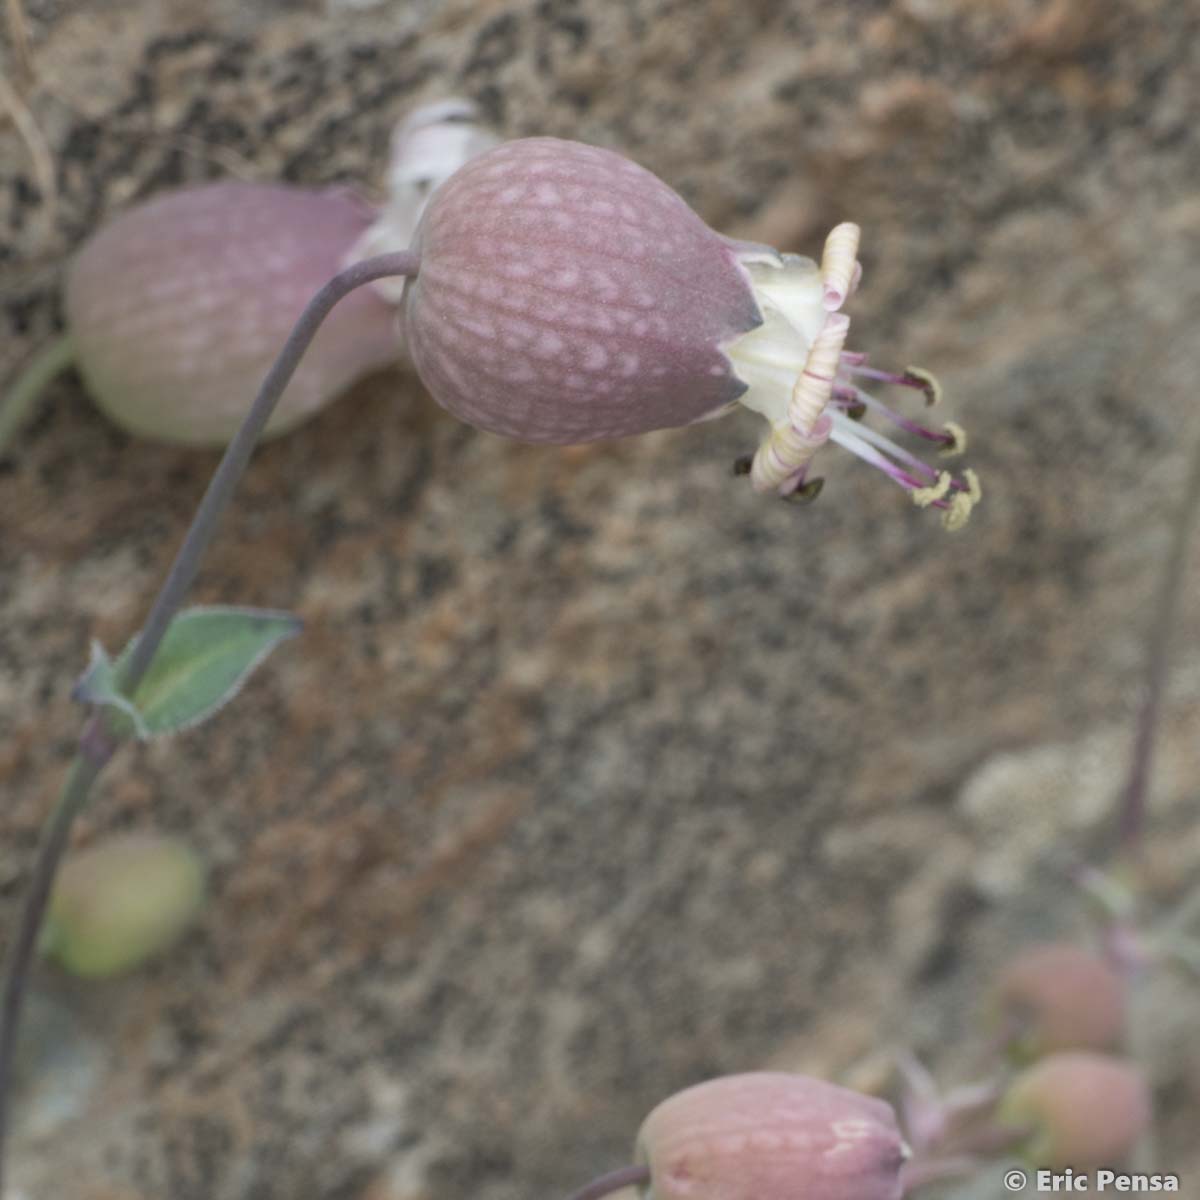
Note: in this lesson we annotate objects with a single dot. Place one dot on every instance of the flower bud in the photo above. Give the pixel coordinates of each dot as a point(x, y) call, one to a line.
point(566, 294)
point(1060, 997)
point(178, 307)
point(1082, 1110)
point(771, 1136)
point(121, 902)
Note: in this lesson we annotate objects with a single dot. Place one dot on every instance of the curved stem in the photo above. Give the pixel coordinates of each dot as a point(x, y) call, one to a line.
point(233, 464)
point(46, 363)
point(1131, 815)
point(95, 751)
point(96, 743)
point(614, 1181)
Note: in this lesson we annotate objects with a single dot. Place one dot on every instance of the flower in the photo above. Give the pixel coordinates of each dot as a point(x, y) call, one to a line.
point(566, 294)
point(768, 1135)
point(177, 307)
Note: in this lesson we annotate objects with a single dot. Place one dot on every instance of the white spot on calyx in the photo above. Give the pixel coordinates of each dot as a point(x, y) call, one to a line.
point(595, 357)
point(483, 329)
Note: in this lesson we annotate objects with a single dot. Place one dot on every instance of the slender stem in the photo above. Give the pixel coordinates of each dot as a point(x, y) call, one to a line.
point(614, 1181)
point(52, 358)
point(95, 751)
point(233, 464)
point(96, 744)
point(1131, 815)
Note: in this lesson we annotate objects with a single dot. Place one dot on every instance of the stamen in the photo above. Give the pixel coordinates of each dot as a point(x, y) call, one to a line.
point(913, 377)
point(838, 263)
point(927, 382)
point(847, 436)
point(874, 437)
point(924, 497)
point(961, 503)
point(806, 493)
point(955, 497)
point(952, 438)
point(958, 440)
point(847, 401)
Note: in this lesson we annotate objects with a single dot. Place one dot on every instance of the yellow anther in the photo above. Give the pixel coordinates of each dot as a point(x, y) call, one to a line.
point(933, 389)
point(974, 491)
point(962, 503)
point(838, 262)
point(924, 497)
point(959, 512)
point(959, 444)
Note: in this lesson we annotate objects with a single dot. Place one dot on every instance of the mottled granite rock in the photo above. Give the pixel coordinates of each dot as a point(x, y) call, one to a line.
point(595, 774)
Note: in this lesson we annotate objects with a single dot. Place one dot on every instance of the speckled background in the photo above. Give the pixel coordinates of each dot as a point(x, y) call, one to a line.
point(594, 773)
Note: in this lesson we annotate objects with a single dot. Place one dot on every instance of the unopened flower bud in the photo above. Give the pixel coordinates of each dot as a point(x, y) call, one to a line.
point(121, 902)
point(771, 1136)
point(1059, 997)
point(178, 307)
point(566, 294)
point(1082, 1110)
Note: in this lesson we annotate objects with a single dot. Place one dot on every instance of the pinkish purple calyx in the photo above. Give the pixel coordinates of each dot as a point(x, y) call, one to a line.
point(178, 307)
point(428, 146)
point(568, 295)
point(772, 1136)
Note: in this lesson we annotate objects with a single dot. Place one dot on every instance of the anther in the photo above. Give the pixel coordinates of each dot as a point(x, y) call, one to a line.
point(923, 497)
point(918, 377)
point(958, 440)
point(807, 492)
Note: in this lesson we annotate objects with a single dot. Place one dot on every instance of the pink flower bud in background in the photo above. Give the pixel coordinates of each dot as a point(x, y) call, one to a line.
point(121, 902)
point(771, 1136)
point(1059, 997)
point(178, 307)
point(566, 294)
point(1082, 1110)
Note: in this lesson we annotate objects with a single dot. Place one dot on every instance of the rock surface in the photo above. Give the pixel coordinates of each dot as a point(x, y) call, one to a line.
point(595, 774)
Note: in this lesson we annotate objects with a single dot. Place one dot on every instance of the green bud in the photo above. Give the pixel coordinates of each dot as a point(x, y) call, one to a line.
point(121, 902)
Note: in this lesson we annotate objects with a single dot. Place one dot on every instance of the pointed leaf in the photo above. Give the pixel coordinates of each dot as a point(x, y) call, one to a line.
point(202, 663)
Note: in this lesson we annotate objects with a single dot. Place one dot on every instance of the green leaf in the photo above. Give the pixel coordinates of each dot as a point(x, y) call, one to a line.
point(202, 663)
